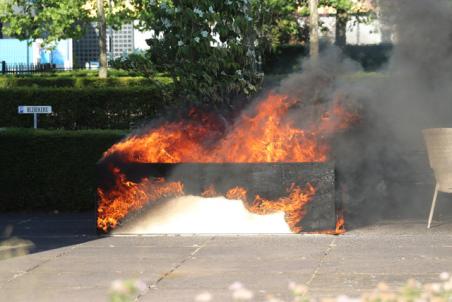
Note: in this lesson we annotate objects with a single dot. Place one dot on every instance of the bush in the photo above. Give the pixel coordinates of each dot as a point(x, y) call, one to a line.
point(286, 59)
point(51, 170)
point(82, 72)
point(105, 108)
point(371, 57)
point(137, 62)
point(79, 82)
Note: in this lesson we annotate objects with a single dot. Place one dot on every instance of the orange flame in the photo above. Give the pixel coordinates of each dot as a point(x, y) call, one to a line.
point(264, 136)
point(292, 205)
point(127, 196)
point(210, 192)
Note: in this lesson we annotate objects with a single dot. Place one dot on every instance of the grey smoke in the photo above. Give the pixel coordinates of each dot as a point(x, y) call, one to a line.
point(382, 166)
point(383, 163)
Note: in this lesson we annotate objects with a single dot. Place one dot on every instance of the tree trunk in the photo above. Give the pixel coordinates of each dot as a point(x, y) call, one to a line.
point(1, 30)
point(313, 29)
point(102, 27)
point(341, 28)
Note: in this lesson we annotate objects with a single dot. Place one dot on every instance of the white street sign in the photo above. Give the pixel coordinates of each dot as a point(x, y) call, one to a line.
point(35, 109)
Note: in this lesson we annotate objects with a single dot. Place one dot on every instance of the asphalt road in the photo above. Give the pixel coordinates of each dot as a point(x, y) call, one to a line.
point(69, 262)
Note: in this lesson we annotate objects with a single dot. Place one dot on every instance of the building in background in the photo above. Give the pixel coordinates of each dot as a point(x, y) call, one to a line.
point(371, 32)
point(16, 52)
point(140, 37)
point(119, 43)
point(13, 51)
point(80, 53)
point(86, 49)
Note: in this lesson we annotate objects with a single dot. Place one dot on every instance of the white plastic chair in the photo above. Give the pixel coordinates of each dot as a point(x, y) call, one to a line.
point(439, 149)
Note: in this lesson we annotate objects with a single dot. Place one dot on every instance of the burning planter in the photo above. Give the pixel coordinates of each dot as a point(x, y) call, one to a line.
point(264, 160)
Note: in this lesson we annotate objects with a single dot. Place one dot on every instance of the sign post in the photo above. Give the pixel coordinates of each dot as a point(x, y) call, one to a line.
point(35, 110)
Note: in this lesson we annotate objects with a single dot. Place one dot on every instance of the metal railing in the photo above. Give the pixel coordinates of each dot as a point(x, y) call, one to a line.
point(21, 69)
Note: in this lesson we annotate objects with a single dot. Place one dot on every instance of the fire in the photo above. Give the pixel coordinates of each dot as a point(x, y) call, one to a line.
point(265, 135)
point(127, 196)
point(210, 192)
point(292, 205)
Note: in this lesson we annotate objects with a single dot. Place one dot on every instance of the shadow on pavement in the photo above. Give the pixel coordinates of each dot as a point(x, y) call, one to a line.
point(41, 232)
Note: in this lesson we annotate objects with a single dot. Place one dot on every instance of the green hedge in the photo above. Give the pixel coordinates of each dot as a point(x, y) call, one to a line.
point(371, 57)
point(51, 170)
point(95, 108)
point(79, 82)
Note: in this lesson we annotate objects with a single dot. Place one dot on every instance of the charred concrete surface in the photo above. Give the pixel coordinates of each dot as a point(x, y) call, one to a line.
point(70, 262)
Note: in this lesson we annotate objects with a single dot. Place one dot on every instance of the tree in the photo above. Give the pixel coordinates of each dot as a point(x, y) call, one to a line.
point(276, 23)
point(344, 10)
point(53, 20)
point(3, 8)
point(206, 46)
point(313, 29)
point(102, 28)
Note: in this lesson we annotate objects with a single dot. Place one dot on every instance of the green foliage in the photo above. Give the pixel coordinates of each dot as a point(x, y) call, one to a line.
point(75, 82)
point(285, 59)
point(51, 170)
point(206, 46)
point(137, 62)
point(85, 73)
point(49, 19)
point(107, 108)
point(276, 23)
point(343, 5)
point(53, 20)
point(371, 57)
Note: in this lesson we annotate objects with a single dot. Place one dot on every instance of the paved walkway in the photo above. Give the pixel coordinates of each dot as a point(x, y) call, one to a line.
point(71, 263)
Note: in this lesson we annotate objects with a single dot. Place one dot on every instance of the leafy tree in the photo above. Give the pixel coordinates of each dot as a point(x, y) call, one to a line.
point(3, 8)
point(276, 23)
point(138, 62)
point(53, 20)
point(207, 46)
point(344, 10)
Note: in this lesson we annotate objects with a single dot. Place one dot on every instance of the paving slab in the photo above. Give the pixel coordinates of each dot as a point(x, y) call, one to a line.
point(75, 264)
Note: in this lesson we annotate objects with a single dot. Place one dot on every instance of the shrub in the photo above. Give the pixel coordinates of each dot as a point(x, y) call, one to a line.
point(51, 170)
point(79, 82)
point(371, 57)
point(137, 62)
point(105, 108)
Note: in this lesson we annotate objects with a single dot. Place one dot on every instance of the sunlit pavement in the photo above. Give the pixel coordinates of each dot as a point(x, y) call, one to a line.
point(70, 262)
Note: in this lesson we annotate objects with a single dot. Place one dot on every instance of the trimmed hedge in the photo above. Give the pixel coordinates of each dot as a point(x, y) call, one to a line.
point(286, 59)
point(371, 57)
point(51, 170)
point(95, 108)
point(79, 82)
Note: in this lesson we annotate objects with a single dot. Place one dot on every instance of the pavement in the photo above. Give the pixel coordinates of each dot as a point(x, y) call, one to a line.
point(68, 261)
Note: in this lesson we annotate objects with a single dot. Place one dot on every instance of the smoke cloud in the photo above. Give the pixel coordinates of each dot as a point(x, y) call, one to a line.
point(382, 164)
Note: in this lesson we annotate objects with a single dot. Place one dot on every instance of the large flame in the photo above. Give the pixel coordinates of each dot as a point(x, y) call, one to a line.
point(127, 196)
point(266, 135)
point(292, 205)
